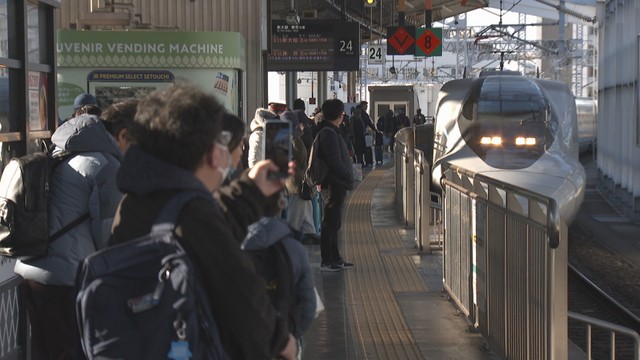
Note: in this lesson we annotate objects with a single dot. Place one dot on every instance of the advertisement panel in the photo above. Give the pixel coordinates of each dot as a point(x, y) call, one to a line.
point(116, 65)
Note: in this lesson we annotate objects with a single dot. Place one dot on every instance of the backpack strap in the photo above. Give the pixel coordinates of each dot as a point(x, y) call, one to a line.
point(56, 160)
point(69, 226)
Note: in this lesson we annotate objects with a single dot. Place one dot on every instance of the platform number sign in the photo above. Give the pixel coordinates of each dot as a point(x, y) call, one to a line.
point(347, 49)
point(346, 46)
point(375, 54)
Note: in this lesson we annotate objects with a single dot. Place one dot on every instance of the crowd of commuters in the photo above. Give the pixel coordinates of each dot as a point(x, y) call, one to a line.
point(133, 157)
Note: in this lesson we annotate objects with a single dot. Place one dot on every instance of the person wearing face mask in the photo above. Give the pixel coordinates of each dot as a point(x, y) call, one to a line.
point(236, 128)
point(180, 146)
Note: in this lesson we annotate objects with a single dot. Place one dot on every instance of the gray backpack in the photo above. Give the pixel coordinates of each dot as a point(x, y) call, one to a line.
point(142, 299)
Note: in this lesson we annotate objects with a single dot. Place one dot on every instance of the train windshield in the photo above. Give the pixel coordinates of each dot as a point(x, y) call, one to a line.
point(509, 129)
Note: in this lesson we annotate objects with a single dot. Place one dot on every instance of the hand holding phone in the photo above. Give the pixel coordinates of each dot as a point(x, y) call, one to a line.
point(277, 145)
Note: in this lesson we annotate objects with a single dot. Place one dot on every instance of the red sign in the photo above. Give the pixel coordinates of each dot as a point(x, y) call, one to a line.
point(429, 42)
point(401, 41)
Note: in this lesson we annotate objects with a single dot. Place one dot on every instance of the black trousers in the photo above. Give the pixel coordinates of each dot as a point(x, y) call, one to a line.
point(51, 310)
point(334, 197)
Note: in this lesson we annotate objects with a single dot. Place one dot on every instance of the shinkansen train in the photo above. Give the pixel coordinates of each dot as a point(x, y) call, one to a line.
point(522, 131)
point(587, 110)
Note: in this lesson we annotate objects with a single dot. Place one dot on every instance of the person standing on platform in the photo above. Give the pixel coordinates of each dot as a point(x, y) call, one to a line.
point(366, 119)
point(403, 120)
point(387, 124)
point(118, 119)
point(333, 150)
point(180, 147)
point(309, 126)
point(275, 108)
point(419, 119)
point(359, 145)
point(83, 185)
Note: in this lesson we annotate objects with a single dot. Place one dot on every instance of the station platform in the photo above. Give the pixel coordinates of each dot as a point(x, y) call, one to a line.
point(390, 305)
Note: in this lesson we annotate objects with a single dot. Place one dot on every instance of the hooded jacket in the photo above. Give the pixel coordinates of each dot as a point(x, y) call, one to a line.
point(83, 183)
point(211, 235)
point(270, 230)
point(256, 139)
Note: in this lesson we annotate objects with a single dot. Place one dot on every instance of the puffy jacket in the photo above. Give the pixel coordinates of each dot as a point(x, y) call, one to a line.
point(256, 138)
point(266, 232)
point(83, 183)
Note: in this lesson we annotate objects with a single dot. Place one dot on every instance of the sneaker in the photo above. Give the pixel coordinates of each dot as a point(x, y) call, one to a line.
point(345, 265)
point(330, 267)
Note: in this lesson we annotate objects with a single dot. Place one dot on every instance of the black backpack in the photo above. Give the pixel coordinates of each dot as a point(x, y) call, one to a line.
point(24, 205)
point(274, 266)
point(317, 169)
point(142, 299)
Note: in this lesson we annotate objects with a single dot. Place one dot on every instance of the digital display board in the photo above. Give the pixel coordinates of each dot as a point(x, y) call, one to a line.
point(314, 45)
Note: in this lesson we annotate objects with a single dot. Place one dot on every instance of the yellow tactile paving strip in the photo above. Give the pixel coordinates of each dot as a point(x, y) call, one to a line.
point(381, 331)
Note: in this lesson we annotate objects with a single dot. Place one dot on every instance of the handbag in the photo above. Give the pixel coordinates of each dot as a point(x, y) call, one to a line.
point(307, 192)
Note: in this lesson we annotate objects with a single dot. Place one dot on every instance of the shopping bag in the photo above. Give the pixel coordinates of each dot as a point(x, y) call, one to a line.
point(357, 172)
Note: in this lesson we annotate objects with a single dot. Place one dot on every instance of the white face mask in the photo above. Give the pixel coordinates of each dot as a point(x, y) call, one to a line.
point(225, 171)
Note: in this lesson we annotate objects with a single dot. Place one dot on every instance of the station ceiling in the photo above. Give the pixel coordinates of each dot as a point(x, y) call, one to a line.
point(374, 21)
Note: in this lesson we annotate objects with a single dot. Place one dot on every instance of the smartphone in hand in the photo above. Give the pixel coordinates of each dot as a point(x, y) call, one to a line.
point(277, 145)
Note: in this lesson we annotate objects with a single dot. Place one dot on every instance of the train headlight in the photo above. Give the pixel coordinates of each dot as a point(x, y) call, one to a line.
point(496, 140)
point(521, 141)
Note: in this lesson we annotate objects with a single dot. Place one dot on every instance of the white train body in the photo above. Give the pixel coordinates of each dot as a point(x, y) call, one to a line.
point(518, 130)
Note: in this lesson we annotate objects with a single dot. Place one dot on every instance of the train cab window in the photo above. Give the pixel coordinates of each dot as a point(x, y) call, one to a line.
point(511, 128)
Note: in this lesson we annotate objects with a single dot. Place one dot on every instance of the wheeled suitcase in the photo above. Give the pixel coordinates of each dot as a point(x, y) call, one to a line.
point(368, 155)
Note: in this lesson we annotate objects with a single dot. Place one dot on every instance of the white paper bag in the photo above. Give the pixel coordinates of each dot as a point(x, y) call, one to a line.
point(357, 172)
point(319, 304)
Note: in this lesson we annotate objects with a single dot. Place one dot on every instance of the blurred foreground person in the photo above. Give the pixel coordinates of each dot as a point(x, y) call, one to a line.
point(180, 147)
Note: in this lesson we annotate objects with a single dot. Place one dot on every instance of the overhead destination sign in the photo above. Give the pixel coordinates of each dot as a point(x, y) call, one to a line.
point(314, 45)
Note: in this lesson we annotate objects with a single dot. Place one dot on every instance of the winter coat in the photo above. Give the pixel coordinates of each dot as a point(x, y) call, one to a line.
point(267, 232)
point(256, 138)
point(334, 152)
point(359, 143)
point(83, 183)
point(211, 235)
point(309, 128)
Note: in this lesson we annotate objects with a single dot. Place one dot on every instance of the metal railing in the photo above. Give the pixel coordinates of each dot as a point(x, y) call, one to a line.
point(505, 264)
point(405, 187)
point(614, 332)
point(13, 315)
point(429, 229)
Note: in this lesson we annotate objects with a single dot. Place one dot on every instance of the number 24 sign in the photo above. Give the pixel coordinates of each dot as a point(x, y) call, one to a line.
point(376, 54)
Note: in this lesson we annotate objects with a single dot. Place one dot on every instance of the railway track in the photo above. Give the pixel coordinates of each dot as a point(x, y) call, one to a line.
point(586, 298)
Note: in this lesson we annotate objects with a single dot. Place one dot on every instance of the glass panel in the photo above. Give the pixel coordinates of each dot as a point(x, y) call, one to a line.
point(4, 101)
point(4, 30)
point(33, 33)
point(38, 101)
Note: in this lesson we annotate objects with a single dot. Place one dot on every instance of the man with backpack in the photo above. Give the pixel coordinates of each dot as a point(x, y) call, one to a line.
point(84, 183)
point(335, 154)
point(181, 148)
